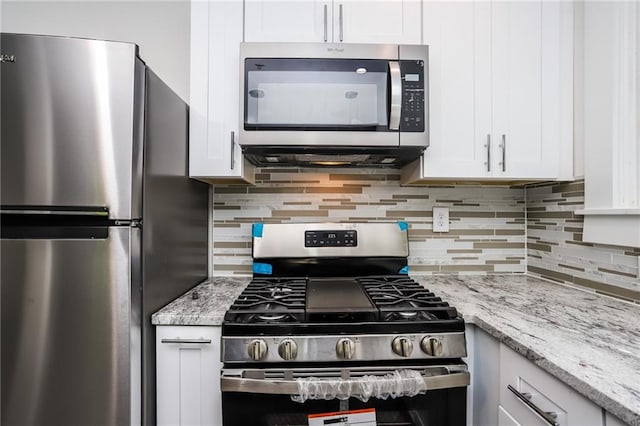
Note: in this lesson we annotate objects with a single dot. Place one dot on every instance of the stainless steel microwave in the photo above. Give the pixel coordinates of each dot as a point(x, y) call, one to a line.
point(333, 104)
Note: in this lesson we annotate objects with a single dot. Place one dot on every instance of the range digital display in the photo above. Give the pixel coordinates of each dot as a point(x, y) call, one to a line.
point(330, 239)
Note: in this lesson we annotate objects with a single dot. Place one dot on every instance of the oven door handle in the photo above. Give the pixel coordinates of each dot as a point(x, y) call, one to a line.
point(290, 387)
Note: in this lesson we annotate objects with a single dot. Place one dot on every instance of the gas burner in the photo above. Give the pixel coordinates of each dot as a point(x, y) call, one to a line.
point(270, 318)
point(280, 292)
point(275, 318)
point(418, 315)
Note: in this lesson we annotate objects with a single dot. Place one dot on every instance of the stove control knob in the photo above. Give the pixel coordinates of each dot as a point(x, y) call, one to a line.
point(431, 346)
point(288, 349)
point(402, 346)
point(345, 348)
point(257, 349)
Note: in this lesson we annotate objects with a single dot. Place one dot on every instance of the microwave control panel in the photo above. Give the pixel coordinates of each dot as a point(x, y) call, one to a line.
point(412, 114)
point(330, 239)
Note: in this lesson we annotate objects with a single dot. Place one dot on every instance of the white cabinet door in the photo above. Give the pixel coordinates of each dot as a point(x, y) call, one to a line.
point(216, 33)
point(349, 21)
point(188, 375)
point(286, 21)
point(459, 38)
point(542, 390)
point(382, 21)
point(501, 79)
point(528, 41)
point(611, 420)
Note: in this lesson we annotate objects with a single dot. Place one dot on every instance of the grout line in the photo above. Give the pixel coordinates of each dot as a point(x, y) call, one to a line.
point(526, 233)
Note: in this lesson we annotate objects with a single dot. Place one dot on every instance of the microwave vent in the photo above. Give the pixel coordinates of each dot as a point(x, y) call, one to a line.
point(309, 158)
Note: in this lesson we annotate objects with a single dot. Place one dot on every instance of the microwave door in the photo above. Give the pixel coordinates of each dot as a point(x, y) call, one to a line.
point(315, 94)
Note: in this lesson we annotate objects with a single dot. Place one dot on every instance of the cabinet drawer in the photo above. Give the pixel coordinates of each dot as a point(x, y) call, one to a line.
point(506, 419)
point(542, 390)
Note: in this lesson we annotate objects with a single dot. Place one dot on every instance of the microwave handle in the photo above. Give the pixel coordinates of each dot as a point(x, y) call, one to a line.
point(396, 95)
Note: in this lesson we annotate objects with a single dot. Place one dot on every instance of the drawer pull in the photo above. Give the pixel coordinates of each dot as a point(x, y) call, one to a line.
point(181, 341)
point(548, 416)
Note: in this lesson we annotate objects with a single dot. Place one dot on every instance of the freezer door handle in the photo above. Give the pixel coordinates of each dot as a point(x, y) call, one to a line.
point(26, 210)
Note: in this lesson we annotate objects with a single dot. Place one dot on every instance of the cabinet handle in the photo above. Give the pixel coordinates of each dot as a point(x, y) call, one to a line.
point(548, 416)
point(325, 23)
point(488, 146)
point(340, 18)
point(504, 153)
point(194, 341)
point(233, 150)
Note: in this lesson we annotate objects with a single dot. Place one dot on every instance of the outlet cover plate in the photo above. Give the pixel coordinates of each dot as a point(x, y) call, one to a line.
point(441, 219)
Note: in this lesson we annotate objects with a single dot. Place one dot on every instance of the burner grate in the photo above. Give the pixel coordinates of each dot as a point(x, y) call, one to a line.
point(394, 298)
point(400, 298)
point(270, 300)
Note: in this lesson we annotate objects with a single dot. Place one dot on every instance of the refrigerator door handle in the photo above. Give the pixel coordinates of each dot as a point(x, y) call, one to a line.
point(61, 212)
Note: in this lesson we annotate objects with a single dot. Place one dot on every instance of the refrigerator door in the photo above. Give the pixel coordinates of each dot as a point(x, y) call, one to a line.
point(69, 131)
point(70, 342)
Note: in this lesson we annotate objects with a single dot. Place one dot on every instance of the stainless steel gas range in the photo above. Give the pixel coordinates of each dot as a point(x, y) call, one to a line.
point(331, 322)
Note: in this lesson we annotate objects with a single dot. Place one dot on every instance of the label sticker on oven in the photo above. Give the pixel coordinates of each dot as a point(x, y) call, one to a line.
point(364, 417)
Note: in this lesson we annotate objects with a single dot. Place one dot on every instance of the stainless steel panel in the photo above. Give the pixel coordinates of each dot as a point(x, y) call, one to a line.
point(318, 50)
point(411, 52)
point(374, 239)
point(175, 219)
point(66, 331)
point(67, 123)
point(318, 138)
point(368, 347)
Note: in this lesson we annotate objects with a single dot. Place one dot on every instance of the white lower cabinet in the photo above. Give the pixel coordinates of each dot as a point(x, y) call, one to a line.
point(611, 420)
point(505, 419)
point(188, 375)
point(494, 367)
point(485, 378)
point(525, 387)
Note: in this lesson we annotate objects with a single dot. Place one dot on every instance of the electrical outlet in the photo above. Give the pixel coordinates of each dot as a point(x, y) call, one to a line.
point(440, 219)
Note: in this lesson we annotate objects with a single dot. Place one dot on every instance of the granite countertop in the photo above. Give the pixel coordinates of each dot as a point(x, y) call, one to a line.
point(590, 342)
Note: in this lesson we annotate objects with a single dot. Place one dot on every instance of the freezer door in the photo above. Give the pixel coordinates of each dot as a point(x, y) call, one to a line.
point(70, 342)
point(69, 123)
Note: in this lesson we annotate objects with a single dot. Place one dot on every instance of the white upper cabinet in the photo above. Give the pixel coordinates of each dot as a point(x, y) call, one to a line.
point(500, 90)
point(216, 33)
point(396, 21)
point(348, 21)
point(459, 38)
point(287, 21)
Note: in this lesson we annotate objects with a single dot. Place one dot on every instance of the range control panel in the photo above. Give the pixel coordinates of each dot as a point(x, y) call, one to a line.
point(412, 114)
point(330, 238)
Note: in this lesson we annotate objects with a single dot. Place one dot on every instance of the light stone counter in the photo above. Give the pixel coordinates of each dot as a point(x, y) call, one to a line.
point(204, 304)
point(588, 341)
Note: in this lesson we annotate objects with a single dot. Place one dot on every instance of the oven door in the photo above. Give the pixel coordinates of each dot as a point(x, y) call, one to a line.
point(263, 396)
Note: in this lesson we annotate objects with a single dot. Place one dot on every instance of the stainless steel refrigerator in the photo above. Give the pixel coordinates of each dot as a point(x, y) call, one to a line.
point(100, 227)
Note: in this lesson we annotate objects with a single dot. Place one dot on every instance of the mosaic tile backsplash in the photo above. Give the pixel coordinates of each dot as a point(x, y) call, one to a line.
point(493, 230)
point(555, 249)
point(487, 223)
